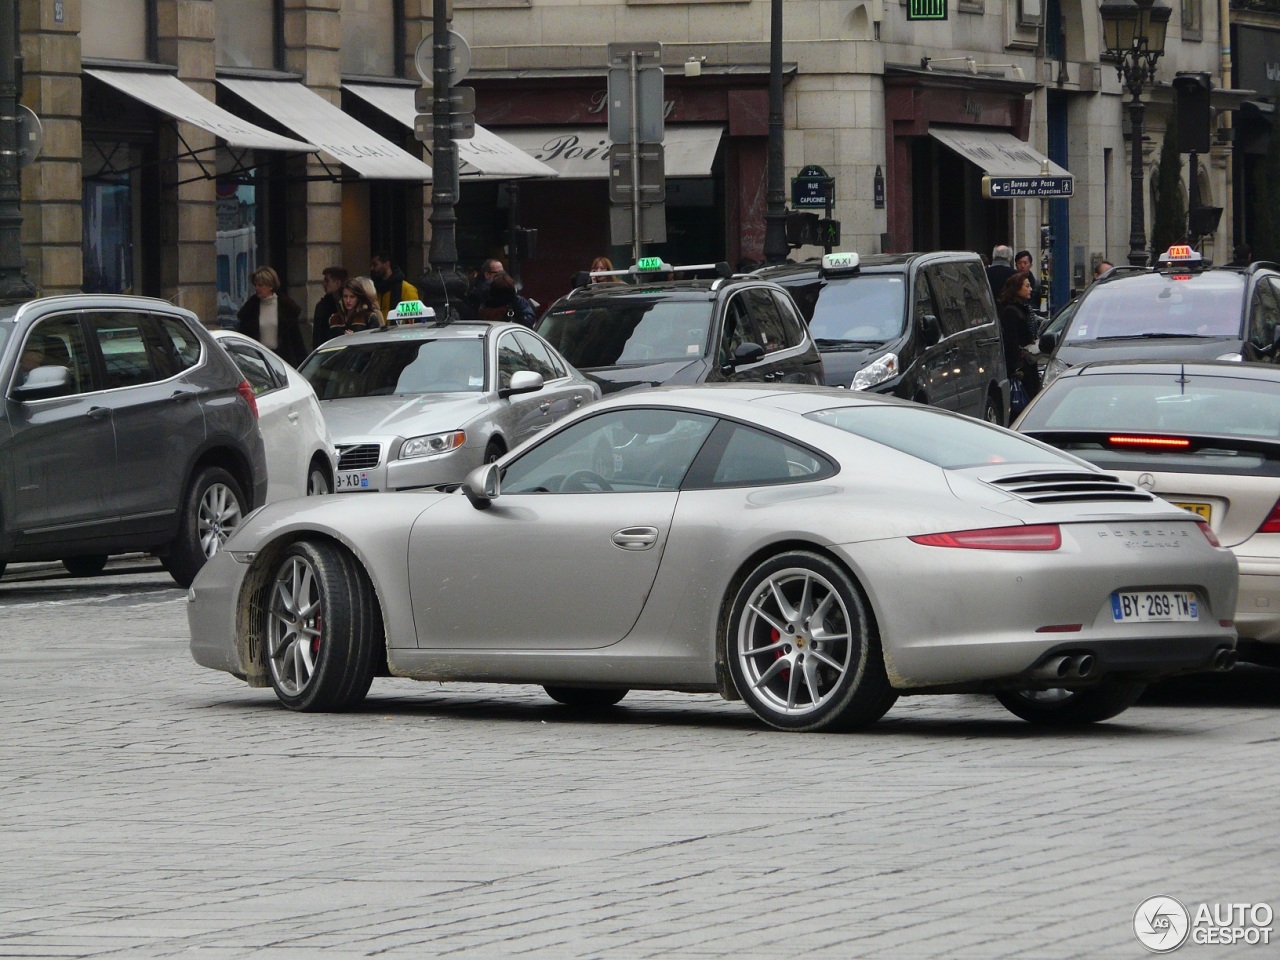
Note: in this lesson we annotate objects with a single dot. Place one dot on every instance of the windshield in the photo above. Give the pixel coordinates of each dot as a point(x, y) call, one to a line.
point(950, 442)
point(354, 367)
point(5, 330)
point(630, 331)
point(1202, 305)
point(868, 309)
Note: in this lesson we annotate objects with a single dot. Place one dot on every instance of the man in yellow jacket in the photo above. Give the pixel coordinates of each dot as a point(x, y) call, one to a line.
point(391, 285)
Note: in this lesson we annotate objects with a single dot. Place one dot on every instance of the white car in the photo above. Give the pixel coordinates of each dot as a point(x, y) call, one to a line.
point(301, 456)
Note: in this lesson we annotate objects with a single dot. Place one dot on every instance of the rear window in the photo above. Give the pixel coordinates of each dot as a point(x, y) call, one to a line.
point(631, 332)
point(384, 368)
point(869, 309)
point(1201, 305)
point(951, 442)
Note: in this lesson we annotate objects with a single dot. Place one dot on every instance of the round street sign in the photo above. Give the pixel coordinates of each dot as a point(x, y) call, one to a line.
point(459, 58)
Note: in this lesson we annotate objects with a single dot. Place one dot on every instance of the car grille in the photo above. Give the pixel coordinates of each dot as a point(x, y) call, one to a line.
point(1060, 487)
point(358, 456)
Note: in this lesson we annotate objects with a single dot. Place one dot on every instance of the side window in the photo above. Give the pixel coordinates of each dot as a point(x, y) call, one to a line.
point(253, 367)
point(792, 327)
point(948, 294)
point(764, 311)
point(511, 359)
point(737, 328)
point(57, 342)
point(975, 293)
point(182, 342)
point(1263, 317)
point(539, 360)
point(924, 305)
point(740, 456)
point(621, 451)
point(122, 338)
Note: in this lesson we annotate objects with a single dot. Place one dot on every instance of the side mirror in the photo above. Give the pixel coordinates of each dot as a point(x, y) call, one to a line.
point(522, 381)
point(483, 485)
point(44, 382)
point(930, 329)
point(749, 352)
point(1048, 341)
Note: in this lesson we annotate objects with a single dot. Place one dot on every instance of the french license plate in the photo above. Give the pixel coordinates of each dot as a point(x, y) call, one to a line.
point(355, 480)
point(1199, 509)
point(1154, 605)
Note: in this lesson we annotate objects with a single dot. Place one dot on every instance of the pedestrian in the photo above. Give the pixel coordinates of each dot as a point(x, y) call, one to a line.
point(332, 279)
point(356, 310)
point(1018, 331)
point(603, 263)
point(478, 291)
point(1022, 262)
point(377, 320)
point(273, 318)
point(1101, 267)
point(1001, 268)
point(505, 303)
point(390, 283)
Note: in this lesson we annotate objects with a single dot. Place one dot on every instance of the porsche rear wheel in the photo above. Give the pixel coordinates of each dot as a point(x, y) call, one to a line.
point(323, 628)
point(1059, 707)
point(586, 698)
point(802, 648)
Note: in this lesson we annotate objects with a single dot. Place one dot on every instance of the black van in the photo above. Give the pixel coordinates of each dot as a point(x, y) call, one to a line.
point(922, 326)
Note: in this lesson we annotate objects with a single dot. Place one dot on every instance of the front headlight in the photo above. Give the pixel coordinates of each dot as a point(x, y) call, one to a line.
point(882, 369)
point(1052, 371)
point(433, 445)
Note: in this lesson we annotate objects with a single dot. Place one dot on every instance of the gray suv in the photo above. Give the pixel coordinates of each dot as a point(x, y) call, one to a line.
point(123, 427)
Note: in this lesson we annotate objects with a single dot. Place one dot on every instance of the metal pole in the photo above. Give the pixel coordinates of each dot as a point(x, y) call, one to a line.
point(1137, 222)
point(633, 79)
point(444, 152)
point(1193, 195)
point(14, 285)
point(775, 218)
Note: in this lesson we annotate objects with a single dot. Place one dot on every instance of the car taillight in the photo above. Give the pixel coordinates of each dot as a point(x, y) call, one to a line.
point(1213, 537)
point(246, 392)
point(1046, 536)
point(1272, 523)
point(1167, 443)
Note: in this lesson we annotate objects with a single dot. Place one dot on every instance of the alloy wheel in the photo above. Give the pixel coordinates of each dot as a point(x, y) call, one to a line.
point(294, 626)
point(219, 515)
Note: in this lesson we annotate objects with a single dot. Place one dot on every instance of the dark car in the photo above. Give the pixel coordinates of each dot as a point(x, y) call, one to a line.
point(124, 427)
point(921, 326)
point(660, 331)
point(1181, 309)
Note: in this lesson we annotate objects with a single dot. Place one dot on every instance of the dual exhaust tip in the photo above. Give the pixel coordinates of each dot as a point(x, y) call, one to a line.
point(1224, 658)
point(1081, 666)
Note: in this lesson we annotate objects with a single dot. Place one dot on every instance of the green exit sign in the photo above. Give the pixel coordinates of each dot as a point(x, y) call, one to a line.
point(926, 9)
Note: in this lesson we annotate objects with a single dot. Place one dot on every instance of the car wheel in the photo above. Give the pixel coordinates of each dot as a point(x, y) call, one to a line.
point(586, 698)
point(991, 412)
point(213, 507)
point(322, 627)
point(494, 450)
point(802, 647)
point(3, 564)
point(318, 484)
point(85, 566)
point(1058, 707)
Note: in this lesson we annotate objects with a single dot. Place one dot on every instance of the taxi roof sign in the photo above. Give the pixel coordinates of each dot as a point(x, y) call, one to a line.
point(647, 264)
point(1182, 258)
point(414, 311)
point(840, 263)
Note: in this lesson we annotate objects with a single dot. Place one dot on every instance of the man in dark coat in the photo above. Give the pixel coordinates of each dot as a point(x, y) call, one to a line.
point(390, 283)
point(1001, 268)
point(332, 278)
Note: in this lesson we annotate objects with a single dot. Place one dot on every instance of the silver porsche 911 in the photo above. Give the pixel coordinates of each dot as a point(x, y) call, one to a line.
point(813, 552)
point(421, 405)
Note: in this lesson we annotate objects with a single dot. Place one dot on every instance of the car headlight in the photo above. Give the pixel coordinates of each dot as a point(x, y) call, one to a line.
point(882, 369)
point(1052, 370)
point(433, 445)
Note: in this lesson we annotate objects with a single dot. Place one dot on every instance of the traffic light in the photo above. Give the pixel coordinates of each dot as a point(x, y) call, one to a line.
point(1192, 90)
point(829, 233)
point(802, 229)
point(526, 243)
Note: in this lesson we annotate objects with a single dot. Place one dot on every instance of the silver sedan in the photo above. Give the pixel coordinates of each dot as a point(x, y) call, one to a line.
point(812, 552)
point(421, 405)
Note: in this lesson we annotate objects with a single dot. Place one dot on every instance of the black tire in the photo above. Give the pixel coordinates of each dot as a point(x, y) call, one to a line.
point(991, 411)
point(586, 698)
point(85, 566)
point(213, 507)
point(321, 628)
point(1072, 708)
point(318, 482)
point(494, 450)
point(841, 683)
point(3, 564)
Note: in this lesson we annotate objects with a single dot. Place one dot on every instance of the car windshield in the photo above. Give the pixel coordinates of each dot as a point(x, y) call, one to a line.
point(869, 309)
point(356, 367)
point(630, 331)
point(1153, 305)
point(946, 441)
point(5, 330)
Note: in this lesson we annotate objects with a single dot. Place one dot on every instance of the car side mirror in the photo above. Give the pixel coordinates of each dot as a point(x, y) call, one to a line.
point(748, 352)
point(483, 485)
point(930, 329)
point(522, 381)
point(1048, 341)
point(44, 382)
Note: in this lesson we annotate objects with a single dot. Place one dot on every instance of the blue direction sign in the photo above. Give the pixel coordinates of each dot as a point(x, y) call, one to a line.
point(1001, 188)
point(812, 188)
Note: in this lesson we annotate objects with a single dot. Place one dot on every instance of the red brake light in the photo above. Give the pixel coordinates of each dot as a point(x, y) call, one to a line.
point(1272, 523)
point(1045, 536)
point(1213, 537)
point(1176, 443)
point(246, 392)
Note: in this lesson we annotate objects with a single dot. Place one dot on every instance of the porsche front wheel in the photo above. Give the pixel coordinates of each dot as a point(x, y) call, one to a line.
point(323, 628)
point(802, 649)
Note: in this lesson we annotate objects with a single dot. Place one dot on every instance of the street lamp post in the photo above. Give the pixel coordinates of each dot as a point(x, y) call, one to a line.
point(1134, 32)
point(14, 285)
point(775, 217)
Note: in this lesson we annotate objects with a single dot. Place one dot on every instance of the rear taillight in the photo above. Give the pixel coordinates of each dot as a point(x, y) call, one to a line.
point(1272, 523)
point(1045, 536)
point(246, 392)
point(1153, 443)
point(1210, 535)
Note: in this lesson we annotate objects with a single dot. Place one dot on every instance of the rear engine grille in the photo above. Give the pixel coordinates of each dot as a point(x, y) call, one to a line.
point(1062, 487)
point(359, 456)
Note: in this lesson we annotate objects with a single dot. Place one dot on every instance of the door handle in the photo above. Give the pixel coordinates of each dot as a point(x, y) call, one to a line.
point(544, 407)
point(98, 413)
point(635, 538)
point(181, 396)
point(294, 416)
point(577, 399)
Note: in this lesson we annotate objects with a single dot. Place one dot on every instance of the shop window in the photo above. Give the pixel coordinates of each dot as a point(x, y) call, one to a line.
point(117, 29)
point(110, 206)
point(236, 246)
point(248, 33)
point(370, 37)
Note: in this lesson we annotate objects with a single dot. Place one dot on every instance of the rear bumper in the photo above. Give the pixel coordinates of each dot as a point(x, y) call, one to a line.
point(1258, 609)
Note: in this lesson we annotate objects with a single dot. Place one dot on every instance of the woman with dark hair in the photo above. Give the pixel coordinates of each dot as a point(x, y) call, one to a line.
point(1018, 330)
point(273, 318)
point(356, 312)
